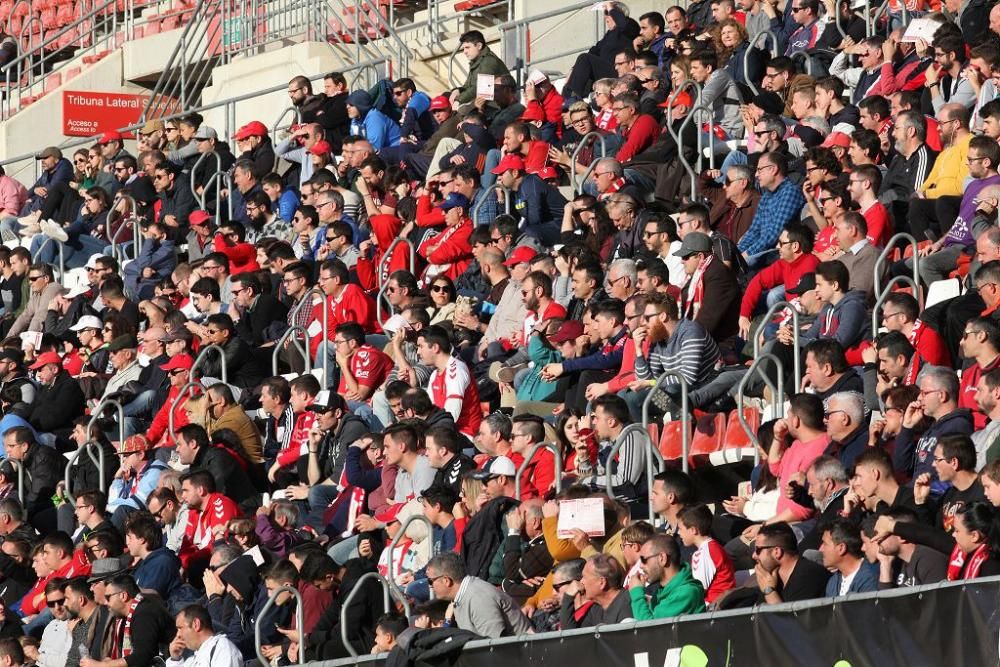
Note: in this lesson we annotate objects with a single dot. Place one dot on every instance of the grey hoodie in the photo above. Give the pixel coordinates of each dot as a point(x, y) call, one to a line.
point(844, 322)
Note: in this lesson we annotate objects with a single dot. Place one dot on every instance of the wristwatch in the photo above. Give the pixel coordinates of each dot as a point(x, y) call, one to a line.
point(767, 590)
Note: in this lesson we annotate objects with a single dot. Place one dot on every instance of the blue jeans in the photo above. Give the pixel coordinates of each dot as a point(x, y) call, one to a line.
point(345, 550)
point(321, 495)
point(137, 411)
point(367, 415)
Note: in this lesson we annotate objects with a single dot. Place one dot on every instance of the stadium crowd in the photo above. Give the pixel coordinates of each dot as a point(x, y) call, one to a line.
point(397, 311)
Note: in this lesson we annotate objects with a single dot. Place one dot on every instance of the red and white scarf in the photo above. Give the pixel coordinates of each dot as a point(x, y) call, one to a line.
point(976, 560)
point(696, 289)
point(123, 648)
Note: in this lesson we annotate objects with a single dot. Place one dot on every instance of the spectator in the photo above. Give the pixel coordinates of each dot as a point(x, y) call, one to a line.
point(679, 593)
point(841, 549)
point(478, 607)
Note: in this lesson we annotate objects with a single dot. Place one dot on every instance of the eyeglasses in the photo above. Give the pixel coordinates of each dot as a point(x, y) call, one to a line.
point(562, 584)
point(238, 291)
point(930, 391)
point(827, 415)
point(441, 288)
point(431, 580)
point(762, 168)
point(578, 121)
point(34, 278)
point(397, 93)
point(646, 559)
point(757, 550)
point(966, 334)
point(55, 603)
point(617, 109)
point(889, 316)
point(973, 158)
point(170, 129)
point(646, 233)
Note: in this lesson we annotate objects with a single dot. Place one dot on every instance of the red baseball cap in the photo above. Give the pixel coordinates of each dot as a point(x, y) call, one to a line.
point(533, 112)
point(682, 98)
point(509, 162)
point(321, 148)
point(568, 330)
point(44, 359)
point(108, 137)
point(440, 103)
point(199, 217)
point(837, 139)
point(522, 254)
point(390, 514)
point(133, 443)
point(179, 361)
point(547, 172)
point(254, 128)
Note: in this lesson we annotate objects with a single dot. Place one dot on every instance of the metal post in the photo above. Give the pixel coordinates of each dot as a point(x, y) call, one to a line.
point(780, 401)
point(295, 341)
point(397, 592)
point(879, 268)
point(277, 123)
point(386, 255)
point(898, 280)
point(59, 247)
point(753, 44)
point(797, 368)
point(299, 621)
point(326, 322)
point(20, 481)
point(619, 441)
point(597, 136)
point(557, 455)
point(386, 605)
point(218, 167)
point(204, 355)
point(685, 413)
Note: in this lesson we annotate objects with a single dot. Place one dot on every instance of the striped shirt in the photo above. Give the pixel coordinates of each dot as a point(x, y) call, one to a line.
point(691, 351)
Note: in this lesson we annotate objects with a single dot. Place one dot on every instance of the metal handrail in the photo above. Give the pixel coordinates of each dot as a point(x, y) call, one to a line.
point(797, 365)
point(474, 213)
point(574, 181)
point(753, 45)
point(885, 295)
point(557, 455)
point(191, 384)
point(708, 114)
point(204, 193)
point(520, 29)
point(203, 355)
point(20, 477)
point(91, 443)
point(802, 55)
point(386, 255)
point(277, 123)
point(227, 181)
point(295, 341)
point(879, 268)
point(619, 441)
point(685, 415)
point(300, 621)
point(386, 606)
point(779, 396)
point(315, 289)
point(397, 592)
point(116, 253)
point(62, 261)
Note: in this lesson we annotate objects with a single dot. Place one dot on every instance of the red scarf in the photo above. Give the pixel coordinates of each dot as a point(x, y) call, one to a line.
point(976, 560)
point(123, 647)
point(696, 289)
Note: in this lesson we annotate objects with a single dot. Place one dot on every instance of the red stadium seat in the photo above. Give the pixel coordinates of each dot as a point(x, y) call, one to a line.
point(736, 437)
point(670, 441)
point(708, 437)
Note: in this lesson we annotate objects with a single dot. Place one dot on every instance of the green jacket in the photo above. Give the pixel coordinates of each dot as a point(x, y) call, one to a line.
point(533, 387)
point(682, 595)
point(486, 62)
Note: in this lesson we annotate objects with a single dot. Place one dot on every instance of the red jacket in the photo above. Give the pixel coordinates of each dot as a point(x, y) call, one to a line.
point(774, 275)
point(385, 229)
point(644, 131)
point(161, 422)
point(539, 476)
point(967, 390)
point(428, 215)
point(449, 252)
point(242, 256)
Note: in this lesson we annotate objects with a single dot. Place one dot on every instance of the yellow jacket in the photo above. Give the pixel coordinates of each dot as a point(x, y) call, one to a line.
point(949, 171)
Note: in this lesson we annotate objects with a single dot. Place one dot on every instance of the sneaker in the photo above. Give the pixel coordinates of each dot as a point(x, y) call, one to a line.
point(494, 372)
point(30, 229)
point(30, 219)
point(507, 373)
point(54, 230)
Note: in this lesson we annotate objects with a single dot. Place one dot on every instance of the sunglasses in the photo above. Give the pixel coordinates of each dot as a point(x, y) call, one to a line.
point(55, 603)
point(443, 288)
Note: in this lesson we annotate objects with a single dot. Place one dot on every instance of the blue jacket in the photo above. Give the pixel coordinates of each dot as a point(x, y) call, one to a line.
point(161, 256)
point(286, 205)
point(537, 203)
point(159, 571)
point(120, 492)
point(61, 173)
point(865, 581)
point(417, 119)
point(377, 128)
point(607, 357)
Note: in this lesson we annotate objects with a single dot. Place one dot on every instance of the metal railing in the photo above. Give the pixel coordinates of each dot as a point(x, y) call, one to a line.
point(474, 212)
point(778, 395)
point(383, 263)
point(753, 44)
point(300, 620)
point(204, 193)
point(641, 431)
point(574, 180)
point(879, 269)
point(60, 247)
point(307, 299)
point(203, 355)
point(386, 606)
point(398, 592)
point(90, 444)
point(678, 136)
point(517, 39)
point(796, 362)
point(558, 463)
point(191, 384)
point(280, 345)
point(19, 466)
point(685, 418)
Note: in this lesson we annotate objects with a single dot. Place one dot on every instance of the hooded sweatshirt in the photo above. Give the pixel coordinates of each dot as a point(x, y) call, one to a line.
point(915, 457)
point(844, 322)
point(385, 229)
point(372, 124)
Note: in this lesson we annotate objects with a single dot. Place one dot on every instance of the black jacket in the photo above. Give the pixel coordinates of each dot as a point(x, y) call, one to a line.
point(332, 452)
point(482, 536)
point(43, 469)
point(178, 201)
point(331, 114)
point(85, 475)
point(152, 630)
point(262, 158)
point(324, 642)
point(57, 405)
point(230, 478)
point(451, 474)
point(254, 323)
point(244, 372)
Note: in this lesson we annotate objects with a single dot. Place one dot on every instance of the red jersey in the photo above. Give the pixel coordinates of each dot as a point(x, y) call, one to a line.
point(298, 444)
point(353, 305)
point(218, 510)
point(539, 476)
point(929, 345)
point(879, 225)
point(712, 567)
point(552, 311)
point(369, 366)
point(454, 389)
point(967, 390)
